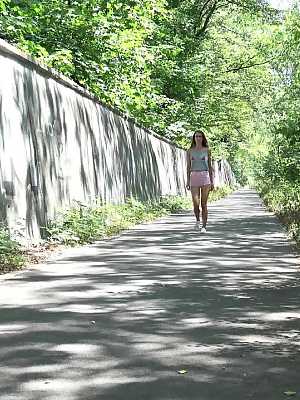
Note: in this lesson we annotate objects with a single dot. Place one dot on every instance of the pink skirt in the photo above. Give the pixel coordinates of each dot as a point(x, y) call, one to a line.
point(199, 178)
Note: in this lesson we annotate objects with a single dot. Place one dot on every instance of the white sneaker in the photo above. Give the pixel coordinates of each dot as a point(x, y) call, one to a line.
point(203, 229)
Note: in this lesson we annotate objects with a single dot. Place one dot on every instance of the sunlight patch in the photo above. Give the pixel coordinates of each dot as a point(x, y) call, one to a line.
point(281, 316)
point(78, 348)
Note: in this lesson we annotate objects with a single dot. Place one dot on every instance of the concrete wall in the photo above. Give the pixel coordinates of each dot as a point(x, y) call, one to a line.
point(59, 144)
point(223, 174)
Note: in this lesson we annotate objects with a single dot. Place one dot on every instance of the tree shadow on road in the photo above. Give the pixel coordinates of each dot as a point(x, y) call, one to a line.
point(117, 319)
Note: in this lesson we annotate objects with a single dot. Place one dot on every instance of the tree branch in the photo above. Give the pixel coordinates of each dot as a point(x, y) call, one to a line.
point(236, 69)
point(204, 6)
point(202, 30)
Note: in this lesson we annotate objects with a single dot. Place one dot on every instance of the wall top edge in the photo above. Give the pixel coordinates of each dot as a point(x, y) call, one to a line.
point(8, 49)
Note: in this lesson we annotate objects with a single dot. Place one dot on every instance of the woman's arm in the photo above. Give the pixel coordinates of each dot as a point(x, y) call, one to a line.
point(188, 169)
point(210, 170)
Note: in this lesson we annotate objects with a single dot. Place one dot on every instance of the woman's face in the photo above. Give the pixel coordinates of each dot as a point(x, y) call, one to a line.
point(198, 138)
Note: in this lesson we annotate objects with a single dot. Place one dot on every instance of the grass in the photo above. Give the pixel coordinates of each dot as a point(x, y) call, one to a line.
point(86, 223)
point(284, 201)
point(11, 254)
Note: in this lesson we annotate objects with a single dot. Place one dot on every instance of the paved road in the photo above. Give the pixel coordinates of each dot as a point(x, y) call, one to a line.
point(118, 319)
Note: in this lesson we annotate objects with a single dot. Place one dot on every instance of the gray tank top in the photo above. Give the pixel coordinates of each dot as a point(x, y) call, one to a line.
point(199, 160)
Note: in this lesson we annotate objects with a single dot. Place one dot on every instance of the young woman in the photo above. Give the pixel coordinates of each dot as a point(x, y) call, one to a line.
point(199, 176)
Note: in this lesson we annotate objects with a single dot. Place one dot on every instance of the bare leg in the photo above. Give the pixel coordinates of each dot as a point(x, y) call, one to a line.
point(204, 197)
point(196, 201)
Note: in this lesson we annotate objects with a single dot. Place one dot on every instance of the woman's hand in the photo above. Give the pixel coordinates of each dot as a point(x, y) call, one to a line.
point(212, 187)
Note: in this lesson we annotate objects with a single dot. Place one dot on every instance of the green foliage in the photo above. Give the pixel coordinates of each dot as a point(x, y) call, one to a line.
point(277, 178)
point(11, 256)
point(84, 224)
point(284, 199)
point(275, 156)
point(172, 65)
point(228, 66)
point(220, 192)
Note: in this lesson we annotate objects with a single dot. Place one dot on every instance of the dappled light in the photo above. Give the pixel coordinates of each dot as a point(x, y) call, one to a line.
point(103, 115)
point(60, 146)
point(119, 318)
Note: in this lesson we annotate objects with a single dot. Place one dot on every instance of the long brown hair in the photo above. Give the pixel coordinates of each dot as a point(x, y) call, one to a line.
point(204, 140)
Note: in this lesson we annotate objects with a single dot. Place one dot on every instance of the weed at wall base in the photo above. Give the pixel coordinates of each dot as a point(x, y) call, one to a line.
point(11, 256)
point(84, 224)
point(284, 201)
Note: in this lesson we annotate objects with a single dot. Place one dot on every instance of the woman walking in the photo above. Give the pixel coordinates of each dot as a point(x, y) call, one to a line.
point(199, 176)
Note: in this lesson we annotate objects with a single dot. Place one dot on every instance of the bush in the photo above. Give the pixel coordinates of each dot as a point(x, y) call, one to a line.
point(11, 256)
point(284, 200)
point(84, 223)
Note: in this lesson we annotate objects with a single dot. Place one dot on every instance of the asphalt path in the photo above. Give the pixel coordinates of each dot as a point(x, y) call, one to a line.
point(161, 312)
